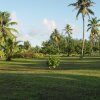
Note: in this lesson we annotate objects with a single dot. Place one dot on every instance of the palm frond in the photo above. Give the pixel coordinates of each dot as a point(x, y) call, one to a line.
point(88, 29)
point(13, 30)
point(73, 4)
point(12, 23)
point(79, 11)
point(90, 11)
point(9, 33)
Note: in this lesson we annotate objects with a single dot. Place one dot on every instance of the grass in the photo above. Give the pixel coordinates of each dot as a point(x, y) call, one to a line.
point(30, 79)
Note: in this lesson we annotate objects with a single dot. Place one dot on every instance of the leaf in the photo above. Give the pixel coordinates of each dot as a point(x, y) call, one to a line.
point(90, 11)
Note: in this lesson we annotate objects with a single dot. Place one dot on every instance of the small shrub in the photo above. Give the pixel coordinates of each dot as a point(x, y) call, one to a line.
point(28, 55)
point(74, 55)
point(18, 55)
point(53, 62)
point(38, 55)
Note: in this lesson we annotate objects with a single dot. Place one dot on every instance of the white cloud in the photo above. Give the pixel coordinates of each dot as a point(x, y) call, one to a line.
point(36, 37)
point(50, 24)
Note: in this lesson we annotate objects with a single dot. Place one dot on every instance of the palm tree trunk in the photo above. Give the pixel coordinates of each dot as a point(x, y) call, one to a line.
point(8, 58)
point(83, 44)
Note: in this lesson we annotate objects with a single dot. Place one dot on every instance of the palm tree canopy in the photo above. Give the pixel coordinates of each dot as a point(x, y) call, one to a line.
point(83, 7)
point(68, 30)
point(55, 36)
point(5, 25)
point(94, 26)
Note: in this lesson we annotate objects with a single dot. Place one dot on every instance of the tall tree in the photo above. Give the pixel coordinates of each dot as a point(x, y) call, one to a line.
point(6, 30)
point(5, 25)
point(55, 38)
point(83, 7)
point(93, 26)
point(10, 47)
point(27, 45)
point(68, 30)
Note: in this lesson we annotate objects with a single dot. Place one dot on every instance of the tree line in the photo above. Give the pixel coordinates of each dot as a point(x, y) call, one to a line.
point(58, 43)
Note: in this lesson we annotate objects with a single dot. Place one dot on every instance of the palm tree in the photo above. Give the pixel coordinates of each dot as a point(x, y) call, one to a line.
point(68, 30)
point(6, 32)
point(5, 25)
point(93, 26)
point(83, 7)
point(55, 38)
point(10, 47)
point(27, 45)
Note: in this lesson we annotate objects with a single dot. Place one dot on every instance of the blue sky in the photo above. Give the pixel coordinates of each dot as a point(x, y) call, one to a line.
point(37, 18)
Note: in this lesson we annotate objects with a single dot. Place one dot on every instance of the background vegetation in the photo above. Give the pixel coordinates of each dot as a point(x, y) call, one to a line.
point(63, 68)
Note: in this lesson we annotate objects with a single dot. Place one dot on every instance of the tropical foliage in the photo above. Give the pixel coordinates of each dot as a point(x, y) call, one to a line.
point(83, 7)
point(93, 27)
point(53, 62)
point(6, 34)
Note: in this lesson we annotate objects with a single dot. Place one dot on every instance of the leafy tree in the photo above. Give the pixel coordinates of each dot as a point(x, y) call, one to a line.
point(68, 31)
point(49, 48)
point(27, 45)
point(87, 47)
point(10, 48)
point(37, 49)
point(77, 46)
point(83, 7)
point(63, 44)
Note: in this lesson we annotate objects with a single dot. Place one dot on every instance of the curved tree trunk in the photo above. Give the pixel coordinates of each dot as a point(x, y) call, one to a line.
point(8, 58)
point(83, 44)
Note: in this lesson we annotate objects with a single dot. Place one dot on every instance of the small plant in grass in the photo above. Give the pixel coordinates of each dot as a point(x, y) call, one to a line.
point(53, 62)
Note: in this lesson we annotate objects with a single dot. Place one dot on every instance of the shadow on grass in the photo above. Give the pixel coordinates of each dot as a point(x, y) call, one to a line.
point(78, 58)
point(49, 87)
point(80, 66)
point(31, 64)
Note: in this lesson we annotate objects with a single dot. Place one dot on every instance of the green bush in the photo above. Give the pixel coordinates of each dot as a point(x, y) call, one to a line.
point(53, 62)
point(1, 54)
point(18, 55)
point(38, 55)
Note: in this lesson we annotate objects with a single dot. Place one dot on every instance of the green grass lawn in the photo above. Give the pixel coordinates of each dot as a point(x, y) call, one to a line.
point(30, 79)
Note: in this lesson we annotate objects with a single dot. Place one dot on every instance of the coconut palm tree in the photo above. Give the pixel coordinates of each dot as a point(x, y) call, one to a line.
point(83, 7)
point(6, 32)
point(93, 26)
point(27, 45)
point(68, 30)
point(55, 38)
point(10, 47)
point(5, 26)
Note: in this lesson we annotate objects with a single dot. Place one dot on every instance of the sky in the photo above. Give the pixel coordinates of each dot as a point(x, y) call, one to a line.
point(38, 18)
